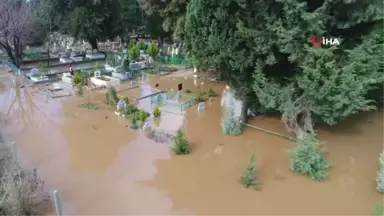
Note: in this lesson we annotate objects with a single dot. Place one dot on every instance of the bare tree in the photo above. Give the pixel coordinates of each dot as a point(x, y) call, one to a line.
point(14, 16)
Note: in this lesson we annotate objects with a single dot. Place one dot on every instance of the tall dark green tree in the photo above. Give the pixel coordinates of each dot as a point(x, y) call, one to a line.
point(331, 83)
point(213, 35)
point(88, 20)
point(131, 17)
point(263, 50)
point(172, 12)
point(153, 27)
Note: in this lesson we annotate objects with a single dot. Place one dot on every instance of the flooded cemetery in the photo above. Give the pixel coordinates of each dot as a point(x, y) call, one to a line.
point(102, 133)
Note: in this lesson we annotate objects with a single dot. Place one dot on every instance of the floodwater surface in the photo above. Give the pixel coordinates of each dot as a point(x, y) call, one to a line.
point(100, 166)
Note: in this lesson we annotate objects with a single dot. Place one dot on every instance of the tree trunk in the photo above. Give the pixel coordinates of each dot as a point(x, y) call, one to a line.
point(93, 43)
point(244, 109)
point(10, 55)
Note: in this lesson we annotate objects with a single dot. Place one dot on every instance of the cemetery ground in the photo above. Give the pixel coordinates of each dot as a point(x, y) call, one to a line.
point(101, 166)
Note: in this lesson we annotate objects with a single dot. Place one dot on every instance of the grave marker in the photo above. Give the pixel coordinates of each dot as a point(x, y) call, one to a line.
point(201, 107)
point(146, 126)
point(133, 84)
point(97, 74)
point(121, 105)
point(165, 96)
point(34, 71)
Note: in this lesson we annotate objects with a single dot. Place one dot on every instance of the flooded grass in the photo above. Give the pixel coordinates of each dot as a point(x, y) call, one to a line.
point(90, 106)
point(101, 166)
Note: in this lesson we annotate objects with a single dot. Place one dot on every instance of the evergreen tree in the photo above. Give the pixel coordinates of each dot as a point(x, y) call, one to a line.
point(307, 158)
point(181, 145)
point(212, 35)
point(229, 124)
point(152, 50)
point(380, 175)
point(249, 176)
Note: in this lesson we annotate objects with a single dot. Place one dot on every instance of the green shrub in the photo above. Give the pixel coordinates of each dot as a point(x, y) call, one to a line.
point(212, 93)
point(142, 115)
point(129, 110)
point(133, 123)
point(249, 177)
point(380, 175)
point(187, 91)
point(78, 78)
point(201, 97)
point(156, 112)
point(152, 50)
point(80, 89)
point(133, 53)
point(131, 44)
point(125, 99)
point(307, 158)
point(229, 124)
point(141, 45)
point(90, 106)
point(111, 60)
point(181, 145)
point(111, 96)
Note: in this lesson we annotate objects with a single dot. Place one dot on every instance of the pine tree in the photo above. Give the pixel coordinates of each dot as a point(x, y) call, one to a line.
point(111, 96)
point(307, 158)
point(249, 176)
point(152, 50)
point(181, 145)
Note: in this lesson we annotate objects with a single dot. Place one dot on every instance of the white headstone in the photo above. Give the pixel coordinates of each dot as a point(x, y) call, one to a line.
point(56, 86)
point(133, 84)
point(177, 51)
point(121, 105)
point(146, 126)
point(165, 96)
point(201, 107)
point(34, 71)
point(97, 74)
point(150, 60)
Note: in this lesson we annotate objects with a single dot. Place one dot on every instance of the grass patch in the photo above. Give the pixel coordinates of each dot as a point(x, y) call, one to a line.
point(90, 106)
point(211, 93)
point(157, 70)
point(103, 78)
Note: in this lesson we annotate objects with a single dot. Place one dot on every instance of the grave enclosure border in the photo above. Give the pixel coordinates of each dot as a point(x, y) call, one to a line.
point(183, 106)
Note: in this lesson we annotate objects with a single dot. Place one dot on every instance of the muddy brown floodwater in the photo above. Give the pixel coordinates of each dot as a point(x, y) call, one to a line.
point(100, 166)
